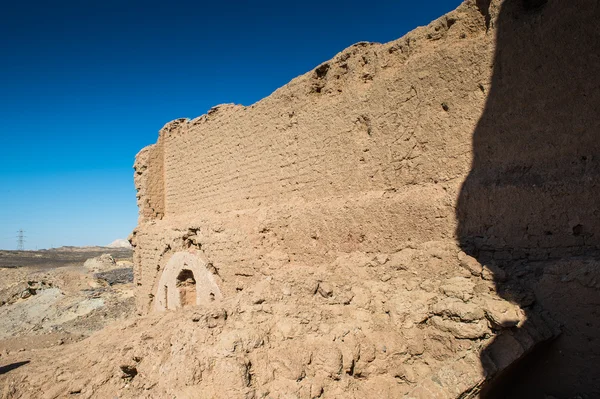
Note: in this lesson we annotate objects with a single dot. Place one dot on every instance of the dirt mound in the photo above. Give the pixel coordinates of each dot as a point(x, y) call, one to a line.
point(410, 323)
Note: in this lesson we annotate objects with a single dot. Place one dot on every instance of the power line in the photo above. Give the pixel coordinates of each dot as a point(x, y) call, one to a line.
point(20, 240)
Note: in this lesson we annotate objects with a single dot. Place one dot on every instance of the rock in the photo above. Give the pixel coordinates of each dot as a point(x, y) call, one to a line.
point(128, 372)
point(493, 273)
point(26, 294)
point(116, 276)
point(415, 341)
point(461, 330)
point(325, 290)
point(458, 287)
point(466, 312)
point(503, 314)
point(470, 263)
point(402, 260)
point(13, 292)
point(100, 263)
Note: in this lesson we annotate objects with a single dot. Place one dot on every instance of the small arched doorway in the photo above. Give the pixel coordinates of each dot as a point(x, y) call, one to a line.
point(186, 281)
point(186, 285)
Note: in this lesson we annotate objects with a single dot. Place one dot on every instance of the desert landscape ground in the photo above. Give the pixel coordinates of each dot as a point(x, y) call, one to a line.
point(59, 296)
point(413, 219)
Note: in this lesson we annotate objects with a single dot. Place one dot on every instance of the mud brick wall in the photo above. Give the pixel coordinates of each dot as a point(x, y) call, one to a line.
point(386, 146)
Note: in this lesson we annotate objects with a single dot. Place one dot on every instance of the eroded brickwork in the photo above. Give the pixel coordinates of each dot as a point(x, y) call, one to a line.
point(369, 152)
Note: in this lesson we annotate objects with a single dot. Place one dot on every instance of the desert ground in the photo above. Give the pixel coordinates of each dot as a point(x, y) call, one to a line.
point(53, 297)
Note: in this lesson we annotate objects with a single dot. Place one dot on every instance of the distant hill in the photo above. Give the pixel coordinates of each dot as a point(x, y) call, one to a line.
point(119, 243)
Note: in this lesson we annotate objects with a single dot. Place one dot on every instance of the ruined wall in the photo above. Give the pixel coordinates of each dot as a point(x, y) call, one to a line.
point(365, 153)
point(368, 152)
point(149, 181)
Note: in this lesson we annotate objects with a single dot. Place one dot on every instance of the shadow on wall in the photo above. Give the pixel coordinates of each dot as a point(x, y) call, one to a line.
point(532, 197)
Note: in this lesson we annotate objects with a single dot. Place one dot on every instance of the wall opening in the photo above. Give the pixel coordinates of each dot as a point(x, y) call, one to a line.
point(186, 285)
point(186, 281)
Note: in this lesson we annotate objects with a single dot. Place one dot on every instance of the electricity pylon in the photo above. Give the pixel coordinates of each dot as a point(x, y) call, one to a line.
point(20, 240)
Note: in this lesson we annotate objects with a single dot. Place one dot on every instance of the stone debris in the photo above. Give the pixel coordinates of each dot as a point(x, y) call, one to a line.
point(22, 289)
point(116, 276)
point(100, 263)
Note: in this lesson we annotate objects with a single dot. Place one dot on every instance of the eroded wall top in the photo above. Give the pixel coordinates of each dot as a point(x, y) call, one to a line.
point(375, 117)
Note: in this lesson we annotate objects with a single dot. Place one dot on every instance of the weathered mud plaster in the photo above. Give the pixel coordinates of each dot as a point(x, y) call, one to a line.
point(172, 289)
point(445, 161)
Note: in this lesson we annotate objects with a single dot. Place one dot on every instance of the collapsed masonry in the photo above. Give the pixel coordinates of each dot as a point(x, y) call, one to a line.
point(388, 201)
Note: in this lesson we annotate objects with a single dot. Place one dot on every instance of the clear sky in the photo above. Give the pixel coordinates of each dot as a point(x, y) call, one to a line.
point(84, 85)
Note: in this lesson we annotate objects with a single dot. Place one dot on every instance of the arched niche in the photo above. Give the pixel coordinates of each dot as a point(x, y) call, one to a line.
point(185, 281)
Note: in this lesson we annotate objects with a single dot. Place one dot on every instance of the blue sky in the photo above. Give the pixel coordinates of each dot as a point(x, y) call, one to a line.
point(84, 85)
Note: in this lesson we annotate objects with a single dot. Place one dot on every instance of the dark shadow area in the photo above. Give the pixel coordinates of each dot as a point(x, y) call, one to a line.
point(12, 366)
point(531, 202)
point(186, 284)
